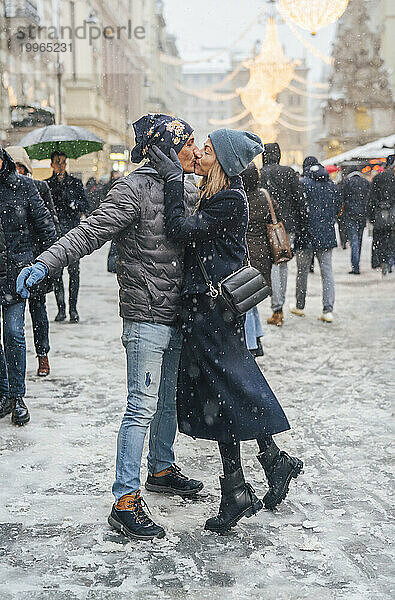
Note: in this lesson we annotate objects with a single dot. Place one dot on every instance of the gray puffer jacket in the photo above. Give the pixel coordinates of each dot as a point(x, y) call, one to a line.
point(149, 267)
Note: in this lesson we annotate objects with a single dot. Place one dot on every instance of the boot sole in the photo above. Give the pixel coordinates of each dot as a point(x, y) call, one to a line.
point(42, 374)
point(21, 422)
point(248, 512)
point(4, 414)
point(168, 490)
point(129, 534)
point(278, 499)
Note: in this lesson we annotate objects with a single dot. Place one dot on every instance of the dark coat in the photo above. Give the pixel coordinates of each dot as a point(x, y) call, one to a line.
point(217, 231)
point(45, 193)
point(355, 195)
point(322, 204)
point(284, 187)
point(24, 219)
point(149, 266)
point(45, 286)
point(221, 392)
point(259, 216)
point(95, 192)
point(70, 200)
point(381, 213)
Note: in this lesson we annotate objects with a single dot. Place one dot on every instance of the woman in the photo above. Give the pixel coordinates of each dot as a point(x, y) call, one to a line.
point(258, 247)
point(222, 394)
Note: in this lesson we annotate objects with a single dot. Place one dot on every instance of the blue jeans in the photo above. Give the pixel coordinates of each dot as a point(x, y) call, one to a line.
point(355, 234)
point(153, 355)
point(253, 328)
point(13, 351)
point(38, 313)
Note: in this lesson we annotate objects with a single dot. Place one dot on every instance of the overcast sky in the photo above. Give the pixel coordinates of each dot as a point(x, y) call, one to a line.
point(213, 24)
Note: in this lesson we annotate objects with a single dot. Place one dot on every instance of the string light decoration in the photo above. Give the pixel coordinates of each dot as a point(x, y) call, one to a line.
point(312, 14)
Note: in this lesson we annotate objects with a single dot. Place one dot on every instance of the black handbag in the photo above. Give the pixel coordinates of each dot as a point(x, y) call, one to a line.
point(240, 291)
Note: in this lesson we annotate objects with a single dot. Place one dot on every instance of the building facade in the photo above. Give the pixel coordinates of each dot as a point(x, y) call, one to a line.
point(90, 63)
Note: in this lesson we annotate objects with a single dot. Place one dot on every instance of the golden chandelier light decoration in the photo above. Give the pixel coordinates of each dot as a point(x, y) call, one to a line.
point(271, 69)
point(270, 72)
point(262, 107)
point(312, 14)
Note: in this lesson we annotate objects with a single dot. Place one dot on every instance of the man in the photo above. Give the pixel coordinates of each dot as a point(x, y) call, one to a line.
point(283, 184)
point(323, 202)
point(355, 195)
point(381, 212)
point(37, 304)
point(150, 273)
point(23, 219)
point(70, 202)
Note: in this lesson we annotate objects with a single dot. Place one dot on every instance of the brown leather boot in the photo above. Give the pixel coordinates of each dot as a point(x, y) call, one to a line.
point(43, 366)
point(277, 319)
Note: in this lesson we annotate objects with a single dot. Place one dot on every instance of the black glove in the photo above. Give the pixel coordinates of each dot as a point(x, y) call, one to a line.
point(170, 169)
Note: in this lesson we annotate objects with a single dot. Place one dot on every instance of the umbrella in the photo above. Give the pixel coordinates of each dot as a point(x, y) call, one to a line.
point(73, 141)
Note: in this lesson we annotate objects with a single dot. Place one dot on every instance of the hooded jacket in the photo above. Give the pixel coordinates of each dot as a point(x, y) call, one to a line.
point(149, 267)
point(323, 203)
point(381, 208)
point(283, 184)
point(355, 194)
point(23, 219)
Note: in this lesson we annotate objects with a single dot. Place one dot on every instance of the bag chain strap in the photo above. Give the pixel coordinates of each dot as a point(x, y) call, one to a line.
point(214, 293)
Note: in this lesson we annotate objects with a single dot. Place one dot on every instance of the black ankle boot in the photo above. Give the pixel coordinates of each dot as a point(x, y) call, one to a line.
point(61, 316)
point(74, 316)
point(20, 413)
point(237, 500)
point(5, 406)
point(279, 469)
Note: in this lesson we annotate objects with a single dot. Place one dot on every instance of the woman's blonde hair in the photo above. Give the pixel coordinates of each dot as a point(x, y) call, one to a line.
point(215, 181)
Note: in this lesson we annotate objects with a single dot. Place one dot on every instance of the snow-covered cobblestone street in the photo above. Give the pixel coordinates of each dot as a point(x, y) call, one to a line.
point(329, 540)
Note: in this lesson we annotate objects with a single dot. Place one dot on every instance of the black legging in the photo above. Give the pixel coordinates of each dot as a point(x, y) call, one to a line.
point(230, 453)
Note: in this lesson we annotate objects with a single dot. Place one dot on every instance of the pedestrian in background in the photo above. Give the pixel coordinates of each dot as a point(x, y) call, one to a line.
point(71, 202)
point(322, 204)
point(258, 247)
point(355, 195)
point(381, 213)
point(283, 184)
point(37, 303)
point(94, 191)
point(23, 219)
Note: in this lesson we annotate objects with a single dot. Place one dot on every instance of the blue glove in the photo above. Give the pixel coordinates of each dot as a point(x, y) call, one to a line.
point(170, 169)
point(28, 277)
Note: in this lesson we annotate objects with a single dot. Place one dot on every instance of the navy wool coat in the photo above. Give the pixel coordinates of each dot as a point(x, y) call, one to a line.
point(221, 392)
